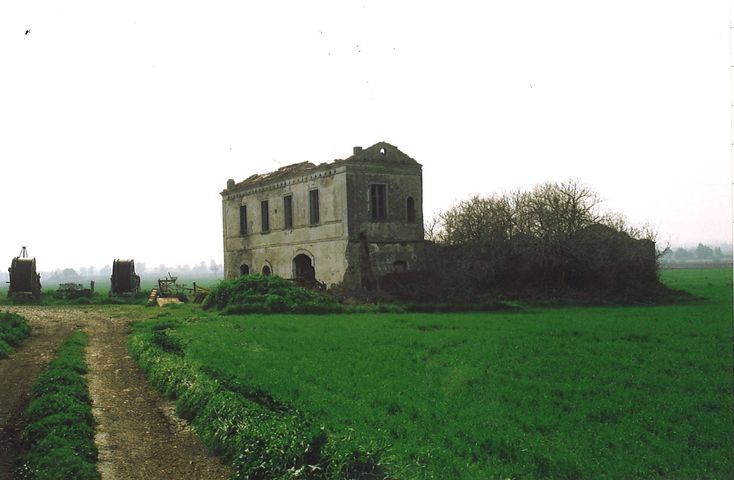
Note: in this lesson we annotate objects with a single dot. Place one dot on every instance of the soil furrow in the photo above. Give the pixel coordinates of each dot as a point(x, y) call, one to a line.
point(138, 436)
point(17, 374)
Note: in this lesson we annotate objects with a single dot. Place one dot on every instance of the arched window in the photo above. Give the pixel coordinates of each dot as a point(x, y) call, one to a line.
point(266, 270)
point(244, 269)
point(410, 209)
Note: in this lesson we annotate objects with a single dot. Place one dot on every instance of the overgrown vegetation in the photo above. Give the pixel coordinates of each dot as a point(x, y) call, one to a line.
point(13, 329)
point(626, 392)
point(271, 294)
point(551, 241)
point(60, 431)
point(261, 436)
point(267, 294)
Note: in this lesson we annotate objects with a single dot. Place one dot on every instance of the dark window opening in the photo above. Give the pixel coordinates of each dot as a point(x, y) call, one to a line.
point(244, 269)
point(266, 271)
point(303, 268)
point(288, 212)
point(410, 208)
point(400, 266)
point(243, 219)
point(313, 206)
point(264, 215)
point(378, 201)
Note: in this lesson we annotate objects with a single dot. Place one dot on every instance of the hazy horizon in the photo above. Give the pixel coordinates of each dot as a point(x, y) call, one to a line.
point(122, 123)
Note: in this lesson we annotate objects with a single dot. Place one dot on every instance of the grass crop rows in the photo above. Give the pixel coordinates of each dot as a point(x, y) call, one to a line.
point(261, 437)
point(60, 431)
point(570, 392)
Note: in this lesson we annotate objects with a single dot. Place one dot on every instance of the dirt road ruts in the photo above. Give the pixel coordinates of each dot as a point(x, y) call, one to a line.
point(137, 435)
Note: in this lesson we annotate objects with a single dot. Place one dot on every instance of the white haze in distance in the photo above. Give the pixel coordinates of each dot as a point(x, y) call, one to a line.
point(121, 123)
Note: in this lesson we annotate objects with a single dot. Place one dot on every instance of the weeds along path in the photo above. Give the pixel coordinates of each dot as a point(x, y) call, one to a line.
point(137, 435)
point(17, 374)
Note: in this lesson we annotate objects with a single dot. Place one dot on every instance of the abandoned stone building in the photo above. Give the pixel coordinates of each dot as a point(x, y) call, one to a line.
point(350, 220)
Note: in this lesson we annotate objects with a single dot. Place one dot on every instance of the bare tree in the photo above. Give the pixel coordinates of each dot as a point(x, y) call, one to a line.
point(475, 221)
point(553, 234)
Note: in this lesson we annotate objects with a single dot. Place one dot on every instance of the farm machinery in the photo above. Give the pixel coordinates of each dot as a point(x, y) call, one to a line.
point(69, 291)
point(124, 281)
point(24, 282)
point(169, 291)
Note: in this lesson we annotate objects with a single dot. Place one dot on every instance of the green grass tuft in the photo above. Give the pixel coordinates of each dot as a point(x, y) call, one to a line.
point(13, 330)
point(60, 431)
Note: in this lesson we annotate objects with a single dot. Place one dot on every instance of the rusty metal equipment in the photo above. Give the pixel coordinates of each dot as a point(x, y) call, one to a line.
point(168, 291)
point(124, 281)
point(167, 287)
point(200, 293)
point(69, 291)
point(24, 280)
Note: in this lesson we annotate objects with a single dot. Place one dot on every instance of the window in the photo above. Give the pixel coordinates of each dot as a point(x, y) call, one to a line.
point(288, 211)
point(266, 271)
point(313, 206)
point(410, 209)
point(243, 219)
point(378, 201)
point(264, 216)
point(244, 269)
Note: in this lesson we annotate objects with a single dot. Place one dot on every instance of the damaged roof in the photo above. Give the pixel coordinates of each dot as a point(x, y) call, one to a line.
point(379, 152)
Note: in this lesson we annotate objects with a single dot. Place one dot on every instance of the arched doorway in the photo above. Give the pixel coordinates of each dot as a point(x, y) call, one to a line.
point(303, 268)
point(244, 269)
point(266, 270)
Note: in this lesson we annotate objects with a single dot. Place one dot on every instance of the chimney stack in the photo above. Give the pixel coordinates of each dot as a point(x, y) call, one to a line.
point(356, 150)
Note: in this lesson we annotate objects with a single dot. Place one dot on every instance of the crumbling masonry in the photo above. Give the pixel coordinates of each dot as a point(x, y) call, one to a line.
point(349, 221)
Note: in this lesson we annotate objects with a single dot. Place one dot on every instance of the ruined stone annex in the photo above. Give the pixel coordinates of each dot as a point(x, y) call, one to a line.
point(349, 221)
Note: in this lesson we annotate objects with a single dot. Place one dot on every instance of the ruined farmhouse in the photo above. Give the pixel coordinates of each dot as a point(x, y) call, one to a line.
point(351, 220)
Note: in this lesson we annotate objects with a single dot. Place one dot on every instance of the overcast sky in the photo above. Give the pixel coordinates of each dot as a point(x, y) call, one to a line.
point(121, 122)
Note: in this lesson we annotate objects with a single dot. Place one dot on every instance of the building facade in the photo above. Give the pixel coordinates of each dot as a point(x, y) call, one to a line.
point(350, 220)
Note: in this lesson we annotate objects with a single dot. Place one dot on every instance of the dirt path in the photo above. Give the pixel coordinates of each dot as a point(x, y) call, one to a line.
point(17, 374)
point(138, 437)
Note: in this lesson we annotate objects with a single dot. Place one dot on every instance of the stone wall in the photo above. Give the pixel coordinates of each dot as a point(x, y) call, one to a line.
point(323, 242)
point(347, 244)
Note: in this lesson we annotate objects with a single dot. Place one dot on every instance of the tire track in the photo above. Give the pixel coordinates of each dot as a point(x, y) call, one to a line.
point(138, 436)
point(17, 375)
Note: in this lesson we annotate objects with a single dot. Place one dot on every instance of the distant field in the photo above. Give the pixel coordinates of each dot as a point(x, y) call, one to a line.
point(621, 392)
point(102, 286)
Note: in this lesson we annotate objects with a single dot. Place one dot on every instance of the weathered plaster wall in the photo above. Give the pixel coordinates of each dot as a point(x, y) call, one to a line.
point(324, 242)
point(347, 244)
point(366, 265)
point(402, 181)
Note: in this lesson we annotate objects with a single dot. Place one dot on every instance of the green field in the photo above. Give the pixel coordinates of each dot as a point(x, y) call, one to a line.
point(101, 292)
point(572, 392)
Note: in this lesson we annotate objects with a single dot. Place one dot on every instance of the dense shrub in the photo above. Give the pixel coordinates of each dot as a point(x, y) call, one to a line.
point(60, 431)
point(267, 294)
point(552, 240)
point(261, 436)
point(13, 329)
